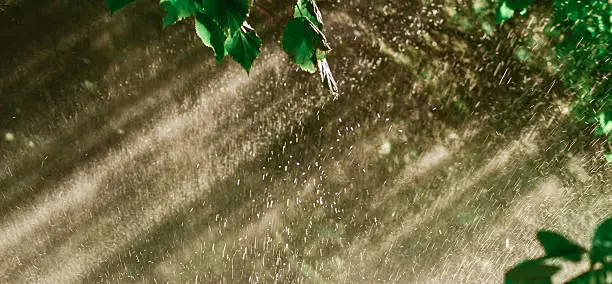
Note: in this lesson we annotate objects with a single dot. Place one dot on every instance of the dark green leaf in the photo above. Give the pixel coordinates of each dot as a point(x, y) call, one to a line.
point(211, 35)
point(177, 10)
point(171, 13)
point(556, 245)
point(602, 243)
point(531, 271)
point(301, 40)
point(597, 276)
point(308, 9)
point(114, 5)
point(518, 4)
point(228, 13)
point(244, 46)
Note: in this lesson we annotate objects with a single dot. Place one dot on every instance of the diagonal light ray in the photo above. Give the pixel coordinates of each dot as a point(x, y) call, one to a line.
point(81, 195)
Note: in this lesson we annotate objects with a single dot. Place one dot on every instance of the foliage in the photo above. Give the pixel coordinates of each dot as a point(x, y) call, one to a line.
point(507, 8)
point(556, 246)
point(222, 26)
point(582, 33)
point(306, 44)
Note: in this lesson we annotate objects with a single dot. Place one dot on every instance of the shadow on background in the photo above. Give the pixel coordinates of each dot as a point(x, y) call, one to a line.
point(268, 177)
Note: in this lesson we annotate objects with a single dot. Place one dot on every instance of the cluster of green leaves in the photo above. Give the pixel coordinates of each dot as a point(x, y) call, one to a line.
point(557, 247)
point(581, 31)
point(605, 128)
point(305, 43)
point(222, 25)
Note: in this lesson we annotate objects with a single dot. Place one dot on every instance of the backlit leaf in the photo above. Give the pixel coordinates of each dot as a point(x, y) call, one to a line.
point(211, 35)
point(503, 13)
point(228, 13)
point(244, 46)
point(308, 9)
point(605, 122)
point(301, 40)
point(177, 10)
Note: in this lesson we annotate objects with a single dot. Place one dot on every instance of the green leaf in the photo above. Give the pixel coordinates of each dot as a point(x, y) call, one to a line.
point(518, 4)
point(605, 122)
point(228, 13)
point(572, 9)
point(308, 9)
point(177, 10)
point(602, 243)
point(503, 13)
point(556, 245)
point(211, 35)
point(244, 46)
point(301, 40)
point(531, 271)
point(172, 14)
point(320, 54)
point(114, 5)
point(597, 276)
